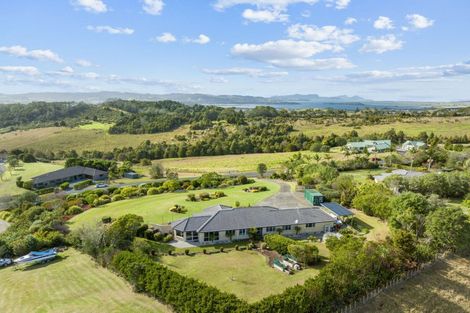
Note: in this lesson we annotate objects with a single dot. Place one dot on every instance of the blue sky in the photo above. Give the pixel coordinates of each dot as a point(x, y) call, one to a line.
point(378, 49)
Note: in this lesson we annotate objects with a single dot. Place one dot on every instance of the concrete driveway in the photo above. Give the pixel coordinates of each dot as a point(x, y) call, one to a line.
point(286, 198)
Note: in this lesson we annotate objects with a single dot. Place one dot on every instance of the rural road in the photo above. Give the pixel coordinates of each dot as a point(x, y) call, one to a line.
point(286, 198)
point(3, 226)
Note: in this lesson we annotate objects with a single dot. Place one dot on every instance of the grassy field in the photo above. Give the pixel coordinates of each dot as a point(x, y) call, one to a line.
point(86, 137)
point(26, 171)
point(71, 284)
point(438, 125)
point(96, 126)
point(155, 209)
point(243, 273)
point(445, 287)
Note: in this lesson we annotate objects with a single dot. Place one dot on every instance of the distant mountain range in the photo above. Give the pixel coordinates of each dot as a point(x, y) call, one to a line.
point(287, 101)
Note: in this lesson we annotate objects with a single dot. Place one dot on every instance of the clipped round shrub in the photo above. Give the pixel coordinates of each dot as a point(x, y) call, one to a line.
point(106, 219)
point(158, 236)
point(74, 210)
point(237, 247)
point(221, 249)
point(186, 252)
point(168, 238)
point(204, 251)
point(152, 191)
point(117, 198)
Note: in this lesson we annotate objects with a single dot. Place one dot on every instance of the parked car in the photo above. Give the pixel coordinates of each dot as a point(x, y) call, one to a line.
point(101, 185)
point(5, 262)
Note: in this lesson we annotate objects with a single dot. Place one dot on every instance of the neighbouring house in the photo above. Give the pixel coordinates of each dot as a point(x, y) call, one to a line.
point(69, 174)
point(370, 146)
point(403, 173)
point(131, 175)
point(219, 224)
point(313, 196)
point(412, 145)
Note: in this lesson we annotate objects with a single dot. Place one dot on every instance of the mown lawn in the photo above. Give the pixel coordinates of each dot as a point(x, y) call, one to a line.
point(26, 171)
point(373, 228)
point(96, 126)
point(71, 284)
point(155, 209)
point(243, 273)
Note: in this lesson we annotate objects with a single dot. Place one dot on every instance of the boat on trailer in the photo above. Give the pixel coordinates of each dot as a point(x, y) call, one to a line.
point(35, 257)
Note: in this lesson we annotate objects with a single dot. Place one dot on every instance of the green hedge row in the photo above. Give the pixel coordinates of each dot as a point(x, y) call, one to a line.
point(82, 184)
point(182, 293)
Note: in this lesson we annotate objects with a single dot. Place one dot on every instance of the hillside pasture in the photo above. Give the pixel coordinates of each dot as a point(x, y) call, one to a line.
point(72, 283)
point(155, 209)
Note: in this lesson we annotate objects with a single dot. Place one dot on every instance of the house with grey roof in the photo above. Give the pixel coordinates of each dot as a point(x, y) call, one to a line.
point(219, 224)
point(69, 174)
point(412, 145)
point(370, 146)
point(400, 172)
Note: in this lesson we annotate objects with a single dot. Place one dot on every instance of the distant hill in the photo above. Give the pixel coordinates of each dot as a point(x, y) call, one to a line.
point(295, 100)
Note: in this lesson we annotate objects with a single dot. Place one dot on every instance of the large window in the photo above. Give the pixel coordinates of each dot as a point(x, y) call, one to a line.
point(229, 233)
point(310, 225)
point(242, 232)
point(270, 229)
point(286, 227)
point(192, 236)
point(211, 236)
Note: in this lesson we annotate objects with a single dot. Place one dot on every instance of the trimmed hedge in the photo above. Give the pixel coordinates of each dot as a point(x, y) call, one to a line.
point(82, 184)
point(182, 293)
point(279, 243)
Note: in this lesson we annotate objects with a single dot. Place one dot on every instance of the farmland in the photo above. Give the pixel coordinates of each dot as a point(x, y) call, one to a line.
point(155, 209)
point(73, 283)
point(243, 273)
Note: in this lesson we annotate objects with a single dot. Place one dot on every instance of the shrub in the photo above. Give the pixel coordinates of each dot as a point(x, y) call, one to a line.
point(186, 252)
point(219, 194)
point(191, 197)
point(106, 219)
point(279, 243)
point(74, 210)
point(251, 246)
point(117, 198)
point(221, 249)
point(168, 238)
point(64, 186)
point(152, 191)
point(178, 209)
point(82, 184)
point(204, 251)
point(204, 196)
point(237, 247)
point(158, 236)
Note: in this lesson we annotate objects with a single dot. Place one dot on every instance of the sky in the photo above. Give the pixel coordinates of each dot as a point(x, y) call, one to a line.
point(417, 50)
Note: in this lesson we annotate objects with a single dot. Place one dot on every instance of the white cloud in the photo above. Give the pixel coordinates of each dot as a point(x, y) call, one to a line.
point(67, 70)
point(327, 34)
point(272, 4)
point(350, 21)
point(95, 6)
point(153, 7)
point(83, 63)
point(166, 37)
point(383, 22)
point(23, 52)
point(290, 54)
point(218, 80)
point(382, 44)
point(201, 39)
point(338, 4)
point(111, 30)
point(265, 16)
point(28, 70)
point(410, 73)
point(418, 21)
point(248, 71)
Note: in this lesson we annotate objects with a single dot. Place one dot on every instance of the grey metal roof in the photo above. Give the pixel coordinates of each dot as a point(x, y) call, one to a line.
point(190, 224)
point(243, 218)
point(66, 173)
point(400, 172)
point(338, 209)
